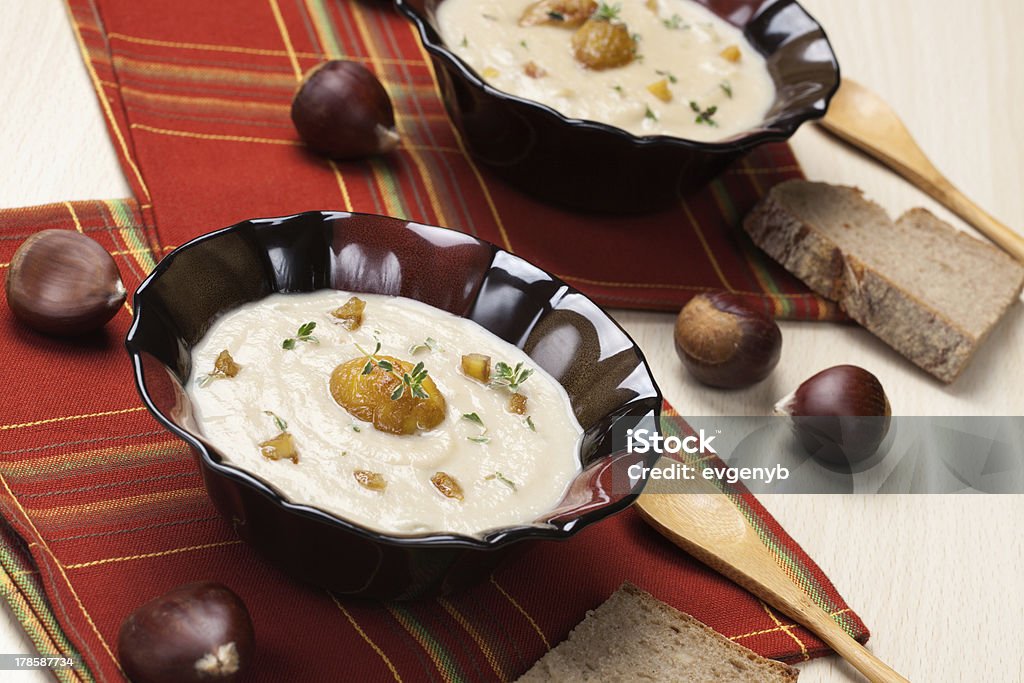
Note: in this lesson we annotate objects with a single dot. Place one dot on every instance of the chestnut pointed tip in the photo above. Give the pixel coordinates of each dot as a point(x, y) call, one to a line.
point(784, 406)
point(194, 633)
point(388, 139)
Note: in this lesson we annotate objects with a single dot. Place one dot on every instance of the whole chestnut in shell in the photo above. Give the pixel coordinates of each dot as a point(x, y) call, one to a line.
point(724, 342)
point(195, 632)
point(62, 282)
point(342, 111)
point(841, 415)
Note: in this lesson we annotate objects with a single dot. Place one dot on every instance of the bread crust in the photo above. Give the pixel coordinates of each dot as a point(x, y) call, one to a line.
point(594, 649)
point(928, 337)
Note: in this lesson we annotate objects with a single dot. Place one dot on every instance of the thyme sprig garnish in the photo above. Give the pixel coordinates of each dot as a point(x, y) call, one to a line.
point(475, 419)
point(503, 479)
point(607, 12)
point(428, 344)
point(675, 22)
point(278, 421)
point(667, 74)
point(726, 87)
point(303, 334)
point(704, 115)
point(411, 381)
point(505, 375)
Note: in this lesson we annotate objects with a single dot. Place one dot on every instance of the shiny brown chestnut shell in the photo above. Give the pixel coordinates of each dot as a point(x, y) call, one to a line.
point(841, 415)
point(724, 342)
point(195, 632)
point(64, 283)
point(342, 110)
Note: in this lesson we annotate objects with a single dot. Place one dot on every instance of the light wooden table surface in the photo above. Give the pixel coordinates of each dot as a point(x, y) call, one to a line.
point(938, 579)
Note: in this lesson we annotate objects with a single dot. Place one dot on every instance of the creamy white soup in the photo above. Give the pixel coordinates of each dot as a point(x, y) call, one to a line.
point(302, 390)
point(651, 67)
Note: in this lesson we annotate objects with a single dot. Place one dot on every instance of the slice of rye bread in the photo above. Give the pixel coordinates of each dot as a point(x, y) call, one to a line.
point(929, 291)
point(632, 636)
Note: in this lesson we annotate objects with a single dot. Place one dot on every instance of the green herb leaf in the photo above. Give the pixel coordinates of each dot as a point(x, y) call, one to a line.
point(648, 114)
point(505, 375)
point(479, 439)
point(556, 16)
point(704, 115)
point(522, 44)
point(726, 87)
point(675, 22)
point(606, 12)
point(278, 422)
point(465, 42)
point(529, 423)
point(413, 381)
point(474, 418)
point(503, 479)
point(304, 334)
point(356, 428)
point(668, 75)
point(429, 344)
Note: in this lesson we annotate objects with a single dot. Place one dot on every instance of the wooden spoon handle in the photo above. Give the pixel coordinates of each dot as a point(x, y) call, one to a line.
point(823, 626)
point(708, 527)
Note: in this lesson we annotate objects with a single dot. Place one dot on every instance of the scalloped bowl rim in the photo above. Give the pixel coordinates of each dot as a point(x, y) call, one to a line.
point(492, 540)
point(745, 140)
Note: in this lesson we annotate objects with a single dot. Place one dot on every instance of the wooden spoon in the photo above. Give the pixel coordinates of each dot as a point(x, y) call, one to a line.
point(705, 523)
point(863, 119)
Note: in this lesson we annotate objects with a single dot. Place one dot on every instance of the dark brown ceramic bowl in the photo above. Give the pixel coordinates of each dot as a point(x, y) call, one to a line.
point(592, 166)
point(565, 333)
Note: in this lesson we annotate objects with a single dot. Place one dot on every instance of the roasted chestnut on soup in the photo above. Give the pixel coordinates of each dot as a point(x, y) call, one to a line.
point(377, 395)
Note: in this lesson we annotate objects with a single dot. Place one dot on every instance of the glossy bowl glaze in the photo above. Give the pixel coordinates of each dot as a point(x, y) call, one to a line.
point(602, 370)
point(596, 167)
